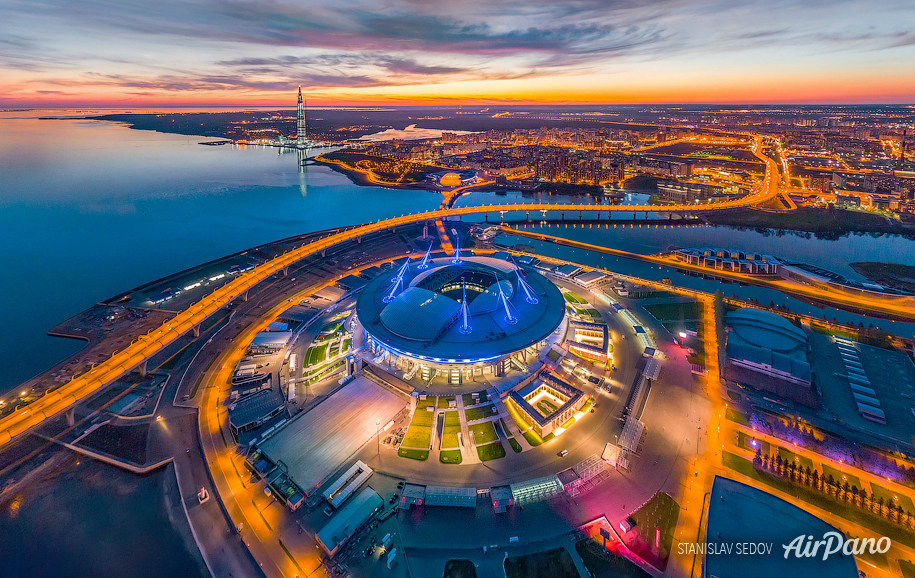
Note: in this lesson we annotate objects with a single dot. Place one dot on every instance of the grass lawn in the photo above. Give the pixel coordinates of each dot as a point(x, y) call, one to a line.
point(908, 569)
point(572, 297)
point(587, 406)
point(468, 400)
point(554, 355)
point(837, 475)
point(532, 438)
point(675, 311)
point(556, 563)
point(444, 401)
point(888, 495)
point(330, 327)
point(479, 412)
point(420, 455)
point(548, 437)
point(484, 432)
point(515, 445)
point(450, 456)
point(736, 416)
point(347, 343)
point(334, 349)
point(545, 407)
point(594, 313)
point(569, 423)
point(849, 512)
point(743, 441)
point(451, 429)
point(661, 511)
point(789, 456)
point(491, 451)
point(316, 354)
point(419, 434)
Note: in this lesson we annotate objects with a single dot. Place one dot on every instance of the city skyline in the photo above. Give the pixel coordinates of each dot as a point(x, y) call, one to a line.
point(405, 53)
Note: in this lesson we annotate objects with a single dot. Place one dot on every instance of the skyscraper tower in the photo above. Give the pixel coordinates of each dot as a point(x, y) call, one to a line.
point(300, 122)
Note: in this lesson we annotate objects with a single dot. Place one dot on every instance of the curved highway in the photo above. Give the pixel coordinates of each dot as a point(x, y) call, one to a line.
point(119, 364)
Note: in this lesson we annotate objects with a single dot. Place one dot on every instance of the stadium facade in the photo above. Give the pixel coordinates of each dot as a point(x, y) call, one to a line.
point(459, 316)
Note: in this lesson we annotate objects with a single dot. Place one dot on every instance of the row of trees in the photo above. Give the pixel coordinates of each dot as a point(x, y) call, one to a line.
point(839, 490)
point(870, 460)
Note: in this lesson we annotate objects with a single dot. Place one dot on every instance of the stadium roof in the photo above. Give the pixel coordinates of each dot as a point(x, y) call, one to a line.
point(766, 329)
point(421, 320)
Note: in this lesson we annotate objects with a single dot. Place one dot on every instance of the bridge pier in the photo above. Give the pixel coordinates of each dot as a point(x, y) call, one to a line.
point(359, 238)
point(143, 368)
point(197, 330)
point(285, 271)
point(71, 417)
point(323, 253)
point(501, 217)
point(579, 215)
point(244, 296)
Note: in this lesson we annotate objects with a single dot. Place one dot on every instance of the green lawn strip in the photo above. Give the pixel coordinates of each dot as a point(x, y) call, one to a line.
point(811, 496)
point(330, 327)
point(661, 511)
point(515, 445)
point(548, 437)
point(491, 452)
point(347, 344)
point(419, 455)
point(675, 311)
point(468, 400)
point(451, 429)
point(450, 456)
point(587, 406)
point(594, 313)
point(554, 355)
point(316, 354)
point(483, 432)
point(789, 456)
point(908, 569)
point(744, 441)
point(479, 412)
point(736, 416)
point(424, 403)
point(573, 297)
point(890, 496)
point(417, 436)
point(532, 438)
point(838, 475)
point(444, 401)
point(569, 423)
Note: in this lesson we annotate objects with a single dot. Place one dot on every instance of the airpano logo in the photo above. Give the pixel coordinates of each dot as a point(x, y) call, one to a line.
point(833, 543)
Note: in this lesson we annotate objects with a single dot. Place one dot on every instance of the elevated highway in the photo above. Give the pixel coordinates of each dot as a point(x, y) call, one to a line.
point(135, 355)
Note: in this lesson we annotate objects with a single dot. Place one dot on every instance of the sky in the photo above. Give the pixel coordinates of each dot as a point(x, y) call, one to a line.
point(167, 53)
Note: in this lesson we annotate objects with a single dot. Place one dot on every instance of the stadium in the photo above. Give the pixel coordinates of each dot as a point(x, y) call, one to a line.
point(459, 317)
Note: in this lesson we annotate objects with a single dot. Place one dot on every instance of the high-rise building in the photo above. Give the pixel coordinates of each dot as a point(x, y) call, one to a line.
point(300, 122)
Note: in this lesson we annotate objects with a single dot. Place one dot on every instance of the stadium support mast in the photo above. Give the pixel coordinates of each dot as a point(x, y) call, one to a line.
point(465, 328)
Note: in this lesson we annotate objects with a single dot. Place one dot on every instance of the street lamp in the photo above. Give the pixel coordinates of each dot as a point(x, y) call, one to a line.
point(378, 436)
